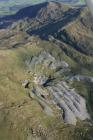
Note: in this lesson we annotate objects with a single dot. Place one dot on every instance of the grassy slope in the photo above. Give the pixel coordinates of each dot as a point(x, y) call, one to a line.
point(12, 94)
point(21, 115)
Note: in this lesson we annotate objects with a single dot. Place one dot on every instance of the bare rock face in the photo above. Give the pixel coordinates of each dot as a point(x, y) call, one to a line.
point(47, 60)
point(82, 78)
point(73, 105)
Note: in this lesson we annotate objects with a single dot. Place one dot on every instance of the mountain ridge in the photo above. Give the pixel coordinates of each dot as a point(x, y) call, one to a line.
point(46, 83)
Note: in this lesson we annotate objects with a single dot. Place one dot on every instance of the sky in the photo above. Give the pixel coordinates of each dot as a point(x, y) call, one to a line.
point(90, 4)
point(5, 5)
point(20, 2)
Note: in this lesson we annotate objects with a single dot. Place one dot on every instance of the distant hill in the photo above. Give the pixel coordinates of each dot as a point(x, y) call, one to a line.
point(66, 23)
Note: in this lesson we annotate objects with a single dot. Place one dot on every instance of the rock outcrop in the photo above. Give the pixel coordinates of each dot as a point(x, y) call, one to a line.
point(73, 105)
point(25, 83)
point(40, 80)
point(47, 60)
point(82, 78)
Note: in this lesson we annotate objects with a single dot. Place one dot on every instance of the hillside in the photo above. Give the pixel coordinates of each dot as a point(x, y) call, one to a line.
point(46, 74)
point(79, 33)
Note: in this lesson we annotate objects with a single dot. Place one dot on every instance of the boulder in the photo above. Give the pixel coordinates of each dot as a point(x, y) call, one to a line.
point(40, 80)
point(25, 83)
